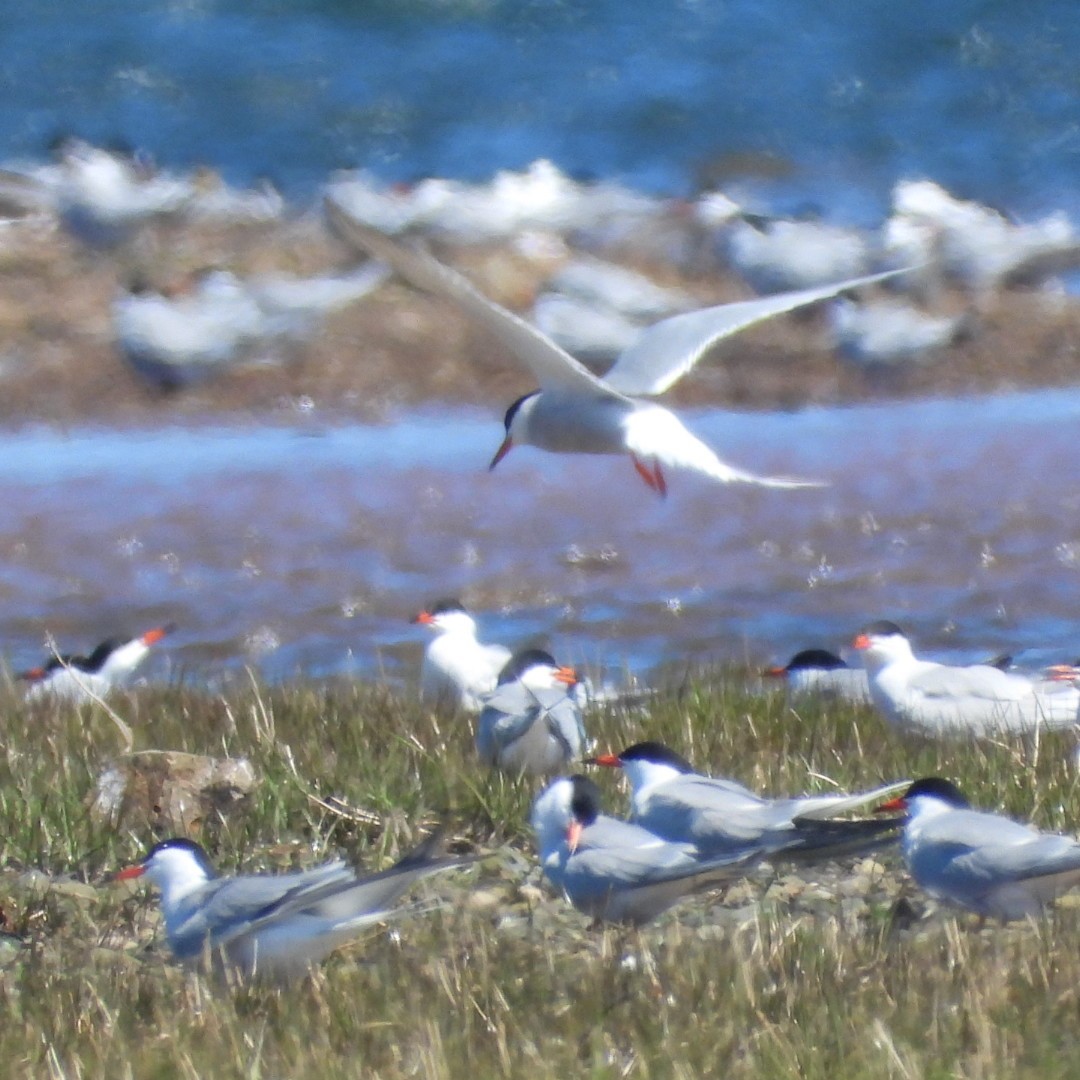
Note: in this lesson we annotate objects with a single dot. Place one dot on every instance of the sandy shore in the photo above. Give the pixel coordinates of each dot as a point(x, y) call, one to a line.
point(397, 348)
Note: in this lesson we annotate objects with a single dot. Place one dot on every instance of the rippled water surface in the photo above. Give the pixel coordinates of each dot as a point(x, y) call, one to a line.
point(306, 551)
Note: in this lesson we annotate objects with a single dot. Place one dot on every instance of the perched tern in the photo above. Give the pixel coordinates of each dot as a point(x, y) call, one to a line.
point(224, 320)
point(576, 411)
point(984, 862)
point(820, 672)
point(892, 333)
point(457, 670)
point(776, 254)
point(977, 244)
point(274, 925)
point(86, 678)
point(614, 870)
point(940, 699)
point(531, 723)
point(722, 817)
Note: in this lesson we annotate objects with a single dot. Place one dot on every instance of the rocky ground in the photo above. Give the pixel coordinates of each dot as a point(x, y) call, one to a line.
point(396, 349)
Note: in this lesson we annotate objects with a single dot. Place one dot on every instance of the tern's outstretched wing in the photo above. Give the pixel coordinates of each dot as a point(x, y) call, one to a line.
point(670, 348)
point(552, 367)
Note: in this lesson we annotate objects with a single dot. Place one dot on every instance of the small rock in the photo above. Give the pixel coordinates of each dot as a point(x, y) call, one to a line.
point(171, 791)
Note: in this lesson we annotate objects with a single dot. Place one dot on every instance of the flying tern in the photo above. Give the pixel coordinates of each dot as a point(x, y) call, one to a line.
point(614, 870)
point(575, 411)
point(273, 925)
point(86, 678)
point(984, 862)
point(940, 699)
point(458, 670)
point(531, 723)
point(720, 816)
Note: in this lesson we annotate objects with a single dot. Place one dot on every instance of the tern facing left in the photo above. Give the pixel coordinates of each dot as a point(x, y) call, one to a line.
point(531, 723)
point(717, 816)
point(615, 870)
point(577, 412)
point(941, 699)
point(274, 925)
point(458, 669)
point(984, 862)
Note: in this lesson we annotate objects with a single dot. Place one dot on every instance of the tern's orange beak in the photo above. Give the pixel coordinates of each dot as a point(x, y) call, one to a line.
point(774, 673)
point(896, 805)
point(1063, 673)
point(130, 872)
point(610, 760)
point(152, 637)
point(861, 642)
point(504, 449)
point(33, 675)
point(566, 675)
point(573, 835)
point(425, 618)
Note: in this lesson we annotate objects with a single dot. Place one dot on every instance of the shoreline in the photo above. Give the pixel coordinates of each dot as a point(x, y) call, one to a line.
point(398, 348)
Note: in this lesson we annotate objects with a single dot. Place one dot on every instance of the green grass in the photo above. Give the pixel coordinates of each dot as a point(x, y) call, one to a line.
point(805, 975)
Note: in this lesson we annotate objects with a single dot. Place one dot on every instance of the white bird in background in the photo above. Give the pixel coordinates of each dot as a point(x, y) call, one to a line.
point(614, 870)
point(273, 925)
point(773, 255)
point(86, 678)
point(722, 817)
point(976, 244)
point(224, 321)
point(575, 411)
point(892, 334)
point(102, 196)
point(986, 863)
point(531, 723)
point(820, 672)
point(457, 670)
point(976, 699)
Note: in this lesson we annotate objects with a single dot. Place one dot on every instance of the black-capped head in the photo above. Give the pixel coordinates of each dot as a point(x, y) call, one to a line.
point(508, 418)
point(182, 843)
point(815, 659)
point(657, 754)
point(447, 604)
point(882, 628)
point(522, 661)
point(96, 660)
point(938, 788)
point(584, 800)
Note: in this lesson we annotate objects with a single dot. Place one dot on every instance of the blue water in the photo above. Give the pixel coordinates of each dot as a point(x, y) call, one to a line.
point(981, 96)
point(305, 551)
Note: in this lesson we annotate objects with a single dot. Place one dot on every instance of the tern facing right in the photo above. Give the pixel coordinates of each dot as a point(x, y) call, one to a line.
point(577, 412)
point(940, 699)
point(984, 862)
point(614, 870)
point(87, 678)
point(275, 925)
point(531, 723)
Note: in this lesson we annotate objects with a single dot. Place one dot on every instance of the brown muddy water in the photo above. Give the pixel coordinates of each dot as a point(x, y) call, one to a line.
point(304, 550)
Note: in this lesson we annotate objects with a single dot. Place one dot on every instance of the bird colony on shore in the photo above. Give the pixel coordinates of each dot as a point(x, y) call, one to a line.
point(687, 831)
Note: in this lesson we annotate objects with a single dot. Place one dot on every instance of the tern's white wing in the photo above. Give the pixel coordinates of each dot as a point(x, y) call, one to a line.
point(811, 807)
point(654, 433)
point(552, 367)
point(669, 349)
